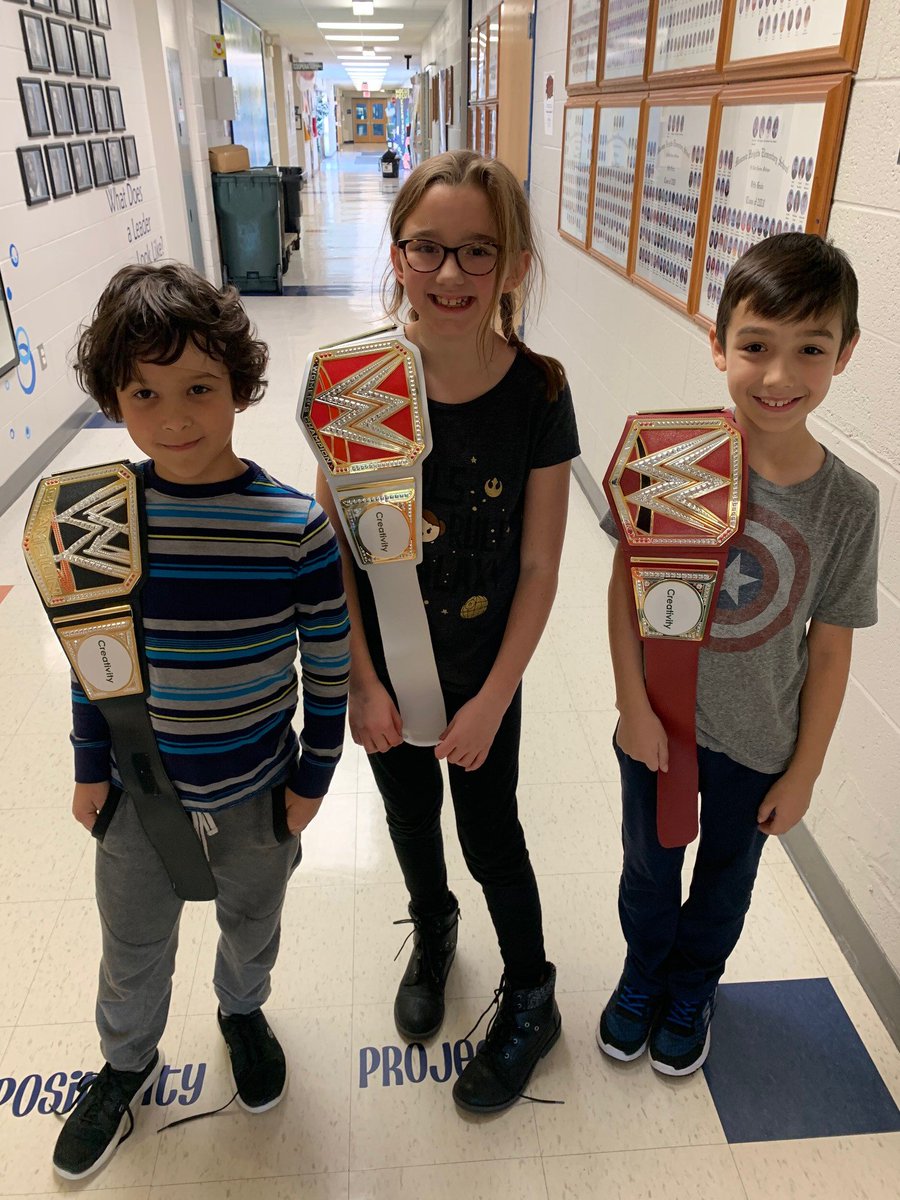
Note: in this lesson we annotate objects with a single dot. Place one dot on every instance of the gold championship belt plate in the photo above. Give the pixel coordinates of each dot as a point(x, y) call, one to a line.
point(364, 412)
point(85, 545)
point(677, 487)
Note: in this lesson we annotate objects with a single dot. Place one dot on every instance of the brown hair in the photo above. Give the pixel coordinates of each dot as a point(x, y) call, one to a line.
point(791, 277)
point(147, 314)
point(509, 208)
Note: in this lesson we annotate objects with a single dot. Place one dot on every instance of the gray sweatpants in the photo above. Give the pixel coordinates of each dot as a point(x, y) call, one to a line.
point(140, 913)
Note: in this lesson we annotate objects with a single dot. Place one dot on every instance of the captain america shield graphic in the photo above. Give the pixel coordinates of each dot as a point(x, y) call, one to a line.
point(764, 580)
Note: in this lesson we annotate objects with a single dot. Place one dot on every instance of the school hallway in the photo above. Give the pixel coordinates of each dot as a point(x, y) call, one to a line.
point(797, 1099)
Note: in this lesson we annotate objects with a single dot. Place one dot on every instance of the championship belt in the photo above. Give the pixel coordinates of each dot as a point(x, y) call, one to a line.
point(364, 413)
point(677, 487)
point(85, 545)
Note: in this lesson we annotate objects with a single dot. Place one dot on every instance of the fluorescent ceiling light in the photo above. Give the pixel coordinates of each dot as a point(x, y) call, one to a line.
point(353, 37)
point(363, 8)
point(356, 25)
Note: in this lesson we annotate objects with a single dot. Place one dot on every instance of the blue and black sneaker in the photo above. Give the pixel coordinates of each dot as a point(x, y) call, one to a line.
point(625, 1024)
point(680, 1040)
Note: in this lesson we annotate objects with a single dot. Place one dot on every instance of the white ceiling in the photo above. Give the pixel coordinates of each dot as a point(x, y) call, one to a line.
point(295, 23)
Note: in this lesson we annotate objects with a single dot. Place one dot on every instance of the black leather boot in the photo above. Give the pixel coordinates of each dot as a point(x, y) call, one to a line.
point(524, 1028)
point(419, 1007)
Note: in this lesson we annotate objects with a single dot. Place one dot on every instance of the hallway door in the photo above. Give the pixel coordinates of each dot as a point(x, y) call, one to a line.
point(370, 120)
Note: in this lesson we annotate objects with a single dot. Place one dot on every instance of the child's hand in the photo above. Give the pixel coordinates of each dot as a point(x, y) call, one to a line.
point(467, 740)
point(87, 800)
point(643, 738)
point(299, 810)
point(785, 803)
point(374, 720)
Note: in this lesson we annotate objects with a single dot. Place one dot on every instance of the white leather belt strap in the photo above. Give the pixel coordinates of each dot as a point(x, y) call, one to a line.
point(364, 412)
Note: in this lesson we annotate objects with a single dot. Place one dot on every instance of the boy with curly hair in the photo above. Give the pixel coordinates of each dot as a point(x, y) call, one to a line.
point(240, 568)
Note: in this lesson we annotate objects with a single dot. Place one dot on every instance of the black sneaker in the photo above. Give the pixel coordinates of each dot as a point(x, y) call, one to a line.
point(625, 1024)
point(525, 1027)
point(257, 1060)
point(680, 1040)
point(101, 1119)
point(419, 1005)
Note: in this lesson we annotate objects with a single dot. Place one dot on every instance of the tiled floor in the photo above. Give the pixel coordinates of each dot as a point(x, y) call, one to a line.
point(365, 1116)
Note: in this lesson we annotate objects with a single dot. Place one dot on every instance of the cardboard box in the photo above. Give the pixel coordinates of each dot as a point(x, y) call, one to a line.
point(229, 158)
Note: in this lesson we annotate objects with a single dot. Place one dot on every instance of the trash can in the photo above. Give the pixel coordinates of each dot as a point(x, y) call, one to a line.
point(390, 165)
point(291, 184)
point(249, 213)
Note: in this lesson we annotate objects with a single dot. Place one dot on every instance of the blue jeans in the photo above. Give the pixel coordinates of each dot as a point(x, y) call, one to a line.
point(676, 948)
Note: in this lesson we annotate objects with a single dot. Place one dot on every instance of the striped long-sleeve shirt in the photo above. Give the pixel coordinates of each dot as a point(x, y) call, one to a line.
point(239, 572)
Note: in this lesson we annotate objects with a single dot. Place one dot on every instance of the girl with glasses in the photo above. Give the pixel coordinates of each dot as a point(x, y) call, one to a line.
point(495, 490)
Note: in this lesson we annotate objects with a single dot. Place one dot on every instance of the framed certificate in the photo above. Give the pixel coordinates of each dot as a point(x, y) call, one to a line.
point(625, 41)
point(493, 52)
point(672, 186)
point(583, 45)
point(794, 37)
point(482, 60)
point(686, 37)
point(772, 168)
point(577, 161)
point(490, 116)
point(615, 166)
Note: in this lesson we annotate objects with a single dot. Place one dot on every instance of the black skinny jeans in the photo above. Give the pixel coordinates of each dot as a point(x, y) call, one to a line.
point(491, 837)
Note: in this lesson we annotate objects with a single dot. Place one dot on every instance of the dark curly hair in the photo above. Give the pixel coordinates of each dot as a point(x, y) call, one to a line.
point(147, 314)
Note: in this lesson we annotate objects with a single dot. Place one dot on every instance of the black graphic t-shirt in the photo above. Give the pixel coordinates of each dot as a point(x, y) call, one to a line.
point(474, 484)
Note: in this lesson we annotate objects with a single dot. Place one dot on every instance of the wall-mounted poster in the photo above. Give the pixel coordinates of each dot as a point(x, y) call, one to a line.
point(686, 35)
point(584, 44)
point(575, 184)
point(9, 355)
point(100, 164)
point(85, 10)
point(100, 56)
point(671, 195)
point(615, 165)
point(793, 36)
point(625, 46)
point(773, 170)
point(101, 13)
point(116, 159)
point(473, 64)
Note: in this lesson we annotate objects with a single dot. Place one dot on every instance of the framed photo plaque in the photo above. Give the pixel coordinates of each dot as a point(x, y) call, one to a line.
point(772, 170)
point(625, 41)
point(615, 166)
point(577, 162)
point(37, 123)
point(583, 44)
point(674, 171)
point(686, 38)
point(794, 37)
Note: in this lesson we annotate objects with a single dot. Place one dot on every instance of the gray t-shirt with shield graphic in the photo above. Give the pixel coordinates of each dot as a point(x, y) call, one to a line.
point(808, 551)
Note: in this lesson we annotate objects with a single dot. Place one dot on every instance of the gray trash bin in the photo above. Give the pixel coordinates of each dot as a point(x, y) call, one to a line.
point(249, 214)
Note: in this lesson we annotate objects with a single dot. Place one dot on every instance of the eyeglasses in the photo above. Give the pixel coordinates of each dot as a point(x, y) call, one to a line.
point(474, 258)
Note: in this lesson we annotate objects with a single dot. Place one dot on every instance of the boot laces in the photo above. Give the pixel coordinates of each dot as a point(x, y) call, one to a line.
point(502, 1030)
point(684, 1013)
point(425, 946)
point(632, 1001)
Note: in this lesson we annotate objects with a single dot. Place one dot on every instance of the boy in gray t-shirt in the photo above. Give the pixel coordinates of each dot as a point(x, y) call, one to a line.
point(771, 678)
